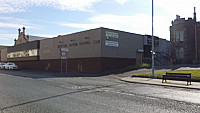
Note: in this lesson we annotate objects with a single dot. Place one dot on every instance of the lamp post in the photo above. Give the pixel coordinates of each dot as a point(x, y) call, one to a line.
point(152, 45)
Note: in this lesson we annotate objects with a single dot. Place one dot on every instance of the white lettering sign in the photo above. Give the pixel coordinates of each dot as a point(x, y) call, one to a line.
point(112, 43)
point(64, 49)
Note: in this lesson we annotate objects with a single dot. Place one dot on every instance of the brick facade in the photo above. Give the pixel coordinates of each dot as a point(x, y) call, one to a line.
point(183, 35)
point(84, 65)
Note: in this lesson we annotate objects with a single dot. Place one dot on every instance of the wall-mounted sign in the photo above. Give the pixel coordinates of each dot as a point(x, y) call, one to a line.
point(140, 50)
point(64, 49)
point(111, 34)
point(156, 40)
point(112, 43)
point(79, 44)
point(148, 40)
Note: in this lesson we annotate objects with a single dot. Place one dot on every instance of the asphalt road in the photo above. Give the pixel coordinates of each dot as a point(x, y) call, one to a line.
point(35, 92)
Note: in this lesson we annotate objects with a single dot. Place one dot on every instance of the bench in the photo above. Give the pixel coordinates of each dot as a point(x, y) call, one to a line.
point(182, 76)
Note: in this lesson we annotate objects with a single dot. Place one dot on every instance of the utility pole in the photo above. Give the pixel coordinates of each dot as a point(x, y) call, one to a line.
point(152, 45)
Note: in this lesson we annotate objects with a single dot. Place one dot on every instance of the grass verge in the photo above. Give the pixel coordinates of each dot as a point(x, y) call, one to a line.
point(195, 74)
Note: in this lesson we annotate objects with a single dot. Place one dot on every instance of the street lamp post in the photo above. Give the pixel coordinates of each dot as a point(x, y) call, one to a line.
point(152, 45)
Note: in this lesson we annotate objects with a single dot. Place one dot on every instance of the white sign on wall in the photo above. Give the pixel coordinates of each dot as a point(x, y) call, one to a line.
point(64, 49)
point(63, 53)
point(112, 43)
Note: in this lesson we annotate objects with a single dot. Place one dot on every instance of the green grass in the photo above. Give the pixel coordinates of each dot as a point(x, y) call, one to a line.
point(195, 73)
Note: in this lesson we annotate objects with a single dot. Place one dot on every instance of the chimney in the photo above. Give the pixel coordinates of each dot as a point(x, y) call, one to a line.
point(28, 38)
point(23, 35)
point(19, 31)
point(15, 42)
point(23, 30)
point(178, 17)
point(195, 14)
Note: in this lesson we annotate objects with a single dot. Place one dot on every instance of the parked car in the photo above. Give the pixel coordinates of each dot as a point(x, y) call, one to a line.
point(2, 65)
point(11, 65)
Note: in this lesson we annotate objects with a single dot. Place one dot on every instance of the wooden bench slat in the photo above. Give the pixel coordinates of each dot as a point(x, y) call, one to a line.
point(178, 73)
point(185, 76)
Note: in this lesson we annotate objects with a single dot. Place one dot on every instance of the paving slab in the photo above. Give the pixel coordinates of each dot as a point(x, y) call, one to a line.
point(169, 83)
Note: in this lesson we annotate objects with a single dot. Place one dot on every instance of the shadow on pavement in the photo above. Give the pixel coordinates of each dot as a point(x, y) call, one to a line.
point(45, 74)
point(58, 95)
point(53, 74)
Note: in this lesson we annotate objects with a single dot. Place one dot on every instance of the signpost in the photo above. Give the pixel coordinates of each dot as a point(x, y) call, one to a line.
point(63, 55)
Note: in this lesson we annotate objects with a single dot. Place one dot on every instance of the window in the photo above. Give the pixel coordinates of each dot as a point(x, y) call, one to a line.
point(26, 53)
point(179, 36)
point(177, 53)
point(180, 53)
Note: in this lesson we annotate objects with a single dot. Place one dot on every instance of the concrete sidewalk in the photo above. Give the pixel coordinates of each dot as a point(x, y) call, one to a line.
point(170, 83)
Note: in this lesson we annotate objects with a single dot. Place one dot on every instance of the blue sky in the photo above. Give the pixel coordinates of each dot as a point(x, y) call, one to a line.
point(49, 18)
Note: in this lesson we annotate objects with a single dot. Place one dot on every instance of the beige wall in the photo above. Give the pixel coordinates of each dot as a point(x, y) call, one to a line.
point(91, 43)
point(129, 43)
point(49, 49)
point(80, 45)
point(4, 55)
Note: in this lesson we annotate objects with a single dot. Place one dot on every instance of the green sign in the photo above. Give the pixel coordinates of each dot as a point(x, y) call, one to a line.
point(112, 34)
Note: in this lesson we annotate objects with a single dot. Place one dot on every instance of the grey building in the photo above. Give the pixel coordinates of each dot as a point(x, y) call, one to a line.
point(162, 50)
point(91, 51)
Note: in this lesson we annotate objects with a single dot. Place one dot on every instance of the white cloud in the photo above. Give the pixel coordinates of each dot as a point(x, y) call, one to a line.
point(121, 1)
point(7, 39)
point(13, 19)
point(82, 5)
point(12, 22)
point(170, 8)
point(5, 36)
point(44, 35)
point(89, 26)
point(3, 31)
point(140, 23)
point(12, 25)
point(10, 6)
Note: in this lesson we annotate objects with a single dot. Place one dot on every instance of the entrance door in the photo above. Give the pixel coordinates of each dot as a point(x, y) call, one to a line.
point(138, 58)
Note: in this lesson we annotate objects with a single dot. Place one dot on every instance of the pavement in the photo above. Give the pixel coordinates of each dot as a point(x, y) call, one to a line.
point(169, 83)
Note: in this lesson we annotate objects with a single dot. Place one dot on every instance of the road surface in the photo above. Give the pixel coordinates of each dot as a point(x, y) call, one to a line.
point(30, 92)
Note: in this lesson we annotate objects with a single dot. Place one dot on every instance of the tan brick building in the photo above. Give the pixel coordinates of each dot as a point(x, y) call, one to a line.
point(91, 51)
